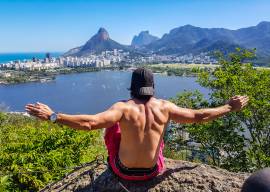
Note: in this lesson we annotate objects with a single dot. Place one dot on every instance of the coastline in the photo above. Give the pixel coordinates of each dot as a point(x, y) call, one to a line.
point(10, 77)
point(13, 56)
point(18, 77)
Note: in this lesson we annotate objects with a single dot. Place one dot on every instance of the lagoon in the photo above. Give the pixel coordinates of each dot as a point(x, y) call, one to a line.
point(90, 92)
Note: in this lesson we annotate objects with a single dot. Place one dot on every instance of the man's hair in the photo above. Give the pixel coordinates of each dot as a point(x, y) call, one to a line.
point(135, 95)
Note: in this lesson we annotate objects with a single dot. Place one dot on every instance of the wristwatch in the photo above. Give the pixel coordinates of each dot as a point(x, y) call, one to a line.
point(53, 117)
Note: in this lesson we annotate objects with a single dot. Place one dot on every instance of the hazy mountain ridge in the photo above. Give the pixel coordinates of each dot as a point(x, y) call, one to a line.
point(142, 39)
point(184, 40)
point(191, 39)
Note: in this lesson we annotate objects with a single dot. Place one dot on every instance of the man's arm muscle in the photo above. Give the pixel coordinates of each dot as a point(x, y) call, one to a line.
point(183, 115)
point(89, 122)
point(82, 122)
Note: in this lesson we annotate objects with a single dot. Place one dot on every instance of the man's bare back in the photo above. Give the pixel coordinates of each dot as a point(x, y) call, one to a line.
point(142, 129)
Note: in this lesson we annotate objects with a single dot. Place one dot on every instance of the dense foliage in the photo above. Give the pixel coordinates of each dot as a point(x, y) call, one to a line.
point(35, 153)
point(239, 141)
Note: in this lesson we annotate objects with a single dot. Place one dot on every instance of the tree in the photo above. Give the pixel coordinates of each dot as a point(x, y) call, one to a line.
point(239, 141)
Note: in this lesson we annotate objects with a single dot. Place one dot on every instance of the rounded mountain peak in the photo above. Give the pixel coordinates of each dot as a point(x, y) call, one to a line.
point(103, 34)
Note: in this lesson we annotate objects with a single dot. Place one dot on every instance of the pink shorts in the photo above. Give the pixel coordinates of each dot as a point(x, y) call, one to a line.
point(112, 141)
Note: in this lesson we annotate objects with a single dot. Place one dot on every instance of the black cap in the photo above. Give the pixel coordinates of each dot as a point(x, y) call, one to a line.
point(142, 82)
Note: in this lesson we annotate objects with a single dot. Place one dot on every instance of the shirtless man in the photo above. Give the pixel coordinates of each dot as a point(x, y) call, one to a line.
point(136, 153)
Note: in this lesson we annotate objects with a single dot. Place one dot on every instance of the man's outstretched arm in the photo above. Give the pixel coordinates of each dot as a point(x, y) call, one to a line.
point(82, 122)
point(183, 115)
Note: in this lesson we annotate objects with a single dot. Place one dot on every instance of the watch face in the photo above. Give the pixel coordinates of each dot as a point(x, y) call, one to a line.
point(53, 117)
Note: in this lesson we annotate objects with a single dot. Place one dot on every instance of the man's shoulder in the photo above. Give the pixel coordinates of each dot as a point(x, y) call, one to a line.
point(124, 104)
point(152, 101)
point(162, 101)
point(119, 105)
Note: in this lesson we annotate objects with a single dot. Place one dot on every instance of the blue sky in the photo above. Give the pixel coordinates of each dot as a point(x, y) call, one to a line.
point(58, 25)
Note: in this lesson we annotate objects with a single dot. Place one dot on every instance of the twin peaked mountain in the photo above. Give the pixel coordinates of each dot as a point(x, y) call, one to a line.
point(183, 40)
point(98, 43)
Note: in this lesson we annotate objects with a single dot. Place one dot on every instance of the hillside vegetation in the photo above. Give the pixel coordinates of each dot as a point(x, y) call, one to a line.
point(238, 141)
point(35, 153)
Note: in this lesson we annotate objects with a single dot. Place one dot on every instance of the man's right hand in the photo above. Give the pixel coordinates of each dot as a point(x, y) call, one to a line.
point(39, 110)
point(238, 102)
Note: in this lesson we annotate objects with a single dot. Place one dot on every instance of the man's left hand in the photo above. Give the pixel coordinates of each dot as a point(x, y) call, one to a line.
point(39, 110)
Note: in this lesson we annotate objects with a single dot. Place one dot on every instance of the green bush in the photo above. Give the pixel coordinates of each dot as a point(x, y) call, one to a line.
point(35, 153)
point(238, 141)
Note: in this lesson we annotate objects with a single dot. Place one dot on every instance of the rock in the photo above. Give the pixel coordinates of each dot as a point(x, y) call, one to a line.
point(144, 38)
point(101, 41)
point(179, 176)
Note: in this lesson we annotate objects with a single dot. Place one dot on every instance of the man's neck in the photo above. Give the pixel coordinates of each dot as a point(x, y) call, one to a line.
point(139, 101)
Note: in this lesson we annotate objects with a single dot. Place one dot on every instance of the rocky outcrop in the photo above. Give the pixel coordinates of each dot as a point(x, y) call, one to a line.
point(144, 38)
point(181, 176)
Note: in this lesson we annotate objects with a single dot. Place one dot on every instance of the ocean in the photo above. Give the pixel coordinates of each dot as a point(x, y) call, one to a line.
point(6, 57)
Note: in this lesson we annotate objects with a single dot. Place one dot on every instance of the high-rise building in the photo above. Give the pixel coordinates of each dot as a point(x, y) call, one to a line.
point(48, 55)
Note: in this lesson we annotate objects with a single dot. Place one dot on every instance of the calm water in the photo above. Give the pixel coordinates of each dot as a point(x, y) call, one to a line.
point(88, 92)
point(6, 57)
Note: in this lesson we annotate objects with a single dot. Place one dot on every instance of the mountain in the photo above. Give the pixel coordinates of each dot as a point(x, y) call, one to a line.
point(144, 38)
point(98, 43)
point(185, 39)
point(255, 37)
point(191, 39)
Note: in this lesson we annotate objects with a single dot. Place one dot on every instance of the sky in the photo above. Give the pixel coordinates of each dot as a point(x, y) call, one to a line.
point(58, 25)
